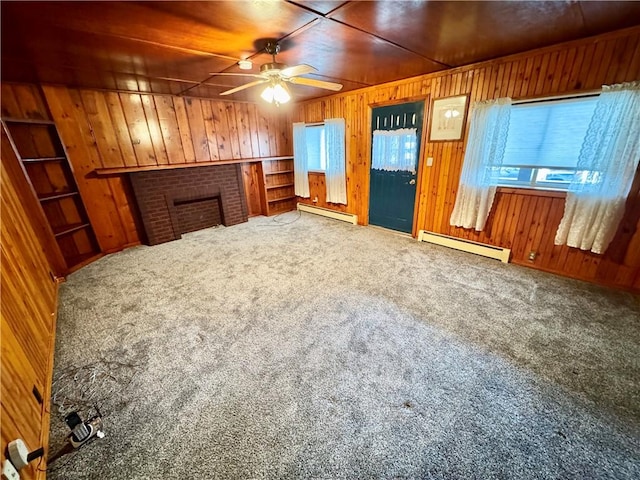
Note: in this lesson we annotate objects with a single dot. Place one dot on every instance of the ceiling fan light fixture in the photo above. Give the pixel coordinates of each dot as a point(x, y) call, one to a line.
point(267, 94)
point(281, 93)
point(276, 93)
point(276, 76)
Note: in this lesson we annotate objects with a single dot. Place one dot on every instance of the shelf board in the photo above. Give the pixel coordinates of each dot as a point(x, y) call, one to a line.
point(43, 159)
point(56, 196)
point(279, 171)
point(67, 229)
point(118, 170)
point(27, 120)
point(282, 185)
point(281, 199)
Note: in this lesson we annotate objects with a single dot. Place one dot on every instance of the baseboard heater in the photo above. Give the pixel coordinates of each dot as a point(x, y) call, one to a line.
point(325, 212)
point(483, 249)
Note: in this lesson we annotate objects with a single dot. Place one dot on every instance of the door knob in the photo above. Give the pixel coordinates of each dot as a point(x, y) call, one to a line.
point(412, 181)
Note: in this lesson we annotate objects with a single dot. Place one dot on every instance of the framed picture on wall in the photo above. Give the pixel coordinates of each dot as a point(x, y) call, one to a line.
point(448, 116)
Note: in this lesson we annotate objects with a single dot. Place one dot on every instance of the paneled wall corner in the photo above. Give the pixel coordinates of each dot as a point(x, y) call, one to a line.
point(108, 129)
point(29, 296)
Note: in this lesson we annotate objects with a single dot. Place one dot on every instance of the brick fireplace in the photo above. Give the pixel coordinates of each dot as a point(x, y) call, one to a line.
point(181, 200)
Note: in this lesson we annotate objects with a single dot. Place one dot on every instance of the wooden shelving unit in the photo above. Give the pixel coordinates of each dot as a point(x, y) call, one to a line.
point(46, 166)
point(279, 193)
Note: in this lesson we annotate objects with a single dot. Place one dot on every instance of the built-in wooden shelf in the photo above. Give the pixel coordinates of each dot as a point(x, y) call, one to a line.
point(46, 167)
point(119, 170)
point(56, 196)
point(277, 179)
point(277, 209)
point(281, 199)
point(67, 229)
point(282, 185)
point(43, 159)
point(278, 172)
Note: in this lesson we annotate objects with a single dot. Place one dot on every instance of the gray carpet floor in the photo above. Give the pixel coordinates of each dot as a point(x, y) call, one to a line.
point(310, 348)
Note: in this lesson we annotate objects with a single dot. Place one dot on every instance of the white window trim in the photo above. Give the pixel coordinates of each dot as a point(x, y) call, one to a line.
point(535, 184)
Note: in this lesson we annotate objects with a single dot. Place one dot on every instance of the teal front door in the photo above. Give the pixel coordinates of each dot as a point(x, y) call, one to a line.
point(394, 166)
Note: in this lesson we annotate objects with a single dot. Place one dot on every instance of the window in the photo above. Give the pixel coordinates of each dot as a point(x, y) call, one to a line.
point(543, 143)
point(321, 148)
point(316, 150)
point(395, 150)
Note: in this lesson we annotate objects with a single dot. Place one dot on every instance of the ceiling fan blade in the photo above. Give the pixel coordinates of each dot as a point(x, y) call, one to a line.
point(311, 82)
point(242, 87)
point(297, 70)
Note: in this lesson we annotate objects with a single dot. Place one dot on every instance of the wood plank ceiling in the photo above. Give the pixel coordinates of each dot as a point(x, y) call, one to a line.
point(172, 47)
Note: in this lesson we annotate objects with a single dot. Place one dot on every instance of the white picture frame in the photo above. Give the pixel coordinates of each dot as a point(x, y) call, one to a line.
point(448, 118)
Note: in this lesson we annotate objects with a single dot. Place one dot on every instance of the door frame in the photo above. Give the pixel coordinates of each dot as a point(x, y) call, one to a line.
point(423, 143)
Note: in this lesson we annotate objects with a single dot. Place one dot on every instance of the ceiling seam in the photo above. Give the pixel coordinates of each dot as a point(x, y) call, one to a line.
point(328, 16)
point(311, 10)
point(115, 72)
point(299, 30)
point(339, 7)
point(582, 17)
point(390, 42)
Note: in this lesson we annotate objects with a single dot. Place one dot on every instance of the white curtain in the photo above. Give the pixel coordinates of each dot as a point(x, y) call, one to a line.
point(606, 166)
point(485, 150)
point(334, 131)
point(300, 165)
point(395, 150)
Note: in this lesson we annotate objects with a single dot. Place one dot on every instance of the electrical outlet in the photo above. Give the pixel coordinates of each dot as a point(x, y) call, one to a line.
point(532, 255)
point(429, 161)
point(9, 472)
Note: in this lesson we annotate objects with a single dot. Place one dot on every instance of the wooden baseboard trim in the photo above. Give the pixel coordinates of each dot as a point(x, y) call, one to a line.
point(41, 469)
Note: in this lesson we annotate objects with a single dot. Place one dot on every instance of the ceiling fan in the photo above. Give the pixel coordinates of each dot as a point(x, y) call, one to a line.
point(277, 75)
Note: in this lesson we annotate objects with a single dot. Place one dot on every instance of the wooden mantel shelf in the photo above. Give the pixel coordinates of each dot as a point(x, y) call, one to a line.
point(146, 168)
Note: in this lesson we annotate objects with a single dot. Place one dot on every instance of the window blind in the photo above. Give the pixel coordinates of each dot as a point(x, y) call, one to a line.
point(315, 147)
point(549, 134)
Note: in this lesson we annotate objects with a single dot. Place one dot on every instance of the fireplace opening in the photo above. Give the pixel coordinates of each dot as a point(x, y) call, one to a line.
point(196, 214)
point(195, 209)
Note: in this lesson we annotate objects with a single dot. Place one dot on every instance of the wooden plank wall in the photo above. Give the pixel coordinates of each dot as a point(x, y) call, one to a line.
point(253, 188)
point(29, 296)
point(523, 220)
point(118, 130)
point(318, 192)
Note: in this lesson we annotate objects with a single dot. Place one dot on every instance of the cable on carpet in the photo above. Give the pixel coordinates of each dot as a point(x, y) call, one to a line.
point(89, 385)
point(275, 222)
point(88, 389)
